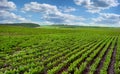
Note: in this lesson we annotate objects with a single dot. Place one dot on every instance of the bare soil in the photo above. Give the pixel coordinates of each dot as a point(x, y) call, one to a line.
point(72, 72)
point(66, 67)
point(111, 65)
point(100, 65)
point(87, 69)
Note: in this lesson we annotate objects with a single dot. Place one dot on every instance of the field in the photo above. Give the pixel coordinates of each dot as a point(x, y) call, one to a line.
point(83, 50)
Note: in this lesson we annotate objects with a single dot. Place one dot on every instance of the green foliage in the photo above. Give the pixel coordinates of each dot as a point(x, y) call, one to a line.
point(53, 50)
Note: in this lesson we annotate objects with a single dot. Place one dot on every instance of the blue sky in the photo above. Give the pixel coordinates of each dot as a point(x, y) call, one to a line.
point(72, 12)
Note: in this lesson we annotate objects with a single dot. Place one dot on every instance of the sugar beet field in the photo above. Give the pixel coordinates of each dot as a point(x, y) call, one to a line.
point(59, 50)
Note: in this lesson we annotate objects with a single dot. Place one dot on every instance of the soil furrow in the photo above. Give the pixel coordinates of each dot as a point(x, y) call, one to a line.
point(100, 65)
point(111, 65)
point(87, 56)
point(66, 67)
point(86, 71)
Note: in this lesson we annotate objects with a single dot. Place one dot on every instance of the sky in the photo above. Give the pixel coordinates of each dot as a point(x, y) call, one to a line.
point(71, 12)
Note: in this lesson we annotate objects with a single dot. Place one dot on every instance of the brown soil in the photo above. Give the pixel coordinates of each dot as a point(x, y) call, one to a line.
point(66, 67)
point(111, 65)
point(100, 65)
point(86, 71)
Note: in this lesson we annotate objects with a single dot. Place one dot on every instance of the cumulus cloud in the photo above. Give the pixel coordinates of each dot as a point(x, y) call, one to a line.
point(6, 14)
point(67, 9)
point(9, 16)
point(7, 5)
point(108, 19)
point(95, 6)
point(37, 7)
point(51, 13)
point(62, 18)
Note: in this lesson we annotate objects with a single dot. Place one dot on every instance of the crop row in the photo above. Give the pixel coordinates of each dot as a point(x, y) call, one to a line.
point(23, 59)
point(73, 58)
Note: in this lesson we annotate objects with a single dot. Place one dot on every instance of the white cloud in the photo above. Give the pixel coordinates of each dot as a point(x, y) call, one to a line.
point(37, 7)
point(67, 9)
point(7, 5)
point(108, 19)
point(95, 6)
point(51, 13)
point(6, 16)
point(62, 18)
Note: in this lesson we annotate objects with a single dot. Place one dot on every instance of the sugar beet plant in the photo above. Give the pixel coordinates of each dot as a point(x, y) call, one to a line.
point(59, 51)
